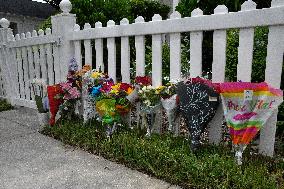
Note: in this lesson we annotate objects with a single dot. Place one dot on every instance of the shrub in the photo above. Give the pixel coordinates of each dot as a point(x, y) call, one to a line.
point(4, 105)
point(92, 11)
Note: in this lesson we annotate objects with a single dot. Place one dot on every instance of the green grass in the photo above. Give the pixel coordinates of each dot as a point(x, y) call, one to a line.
point(4, 105)
point(170, 159)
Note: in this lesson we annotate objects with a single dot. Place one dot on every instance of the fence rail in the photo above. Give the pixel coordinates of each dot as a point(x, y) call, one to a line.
point(46, 55)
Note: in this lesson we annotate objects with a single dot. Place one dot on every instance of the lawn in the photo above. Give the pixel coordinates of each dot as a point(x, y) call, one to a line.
point(169, 158)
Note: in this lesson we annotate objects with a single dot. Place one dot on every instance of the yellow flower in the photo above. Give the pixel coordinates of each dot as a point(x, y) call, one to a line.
point(159, 89)
point(114, 91)
point(95, 75)
point(116, 87)
point(129, 90)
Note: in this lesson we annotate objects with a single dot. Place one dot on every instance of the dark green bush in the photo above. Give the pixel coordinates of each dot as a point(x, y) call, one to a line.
point(169, 158)
point(92, 11)
point(4, 105)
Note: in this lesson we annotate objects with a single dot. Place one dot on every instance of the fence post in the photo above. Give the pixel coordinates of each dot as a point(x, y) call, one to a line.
point(4, 61)
point(62, 25)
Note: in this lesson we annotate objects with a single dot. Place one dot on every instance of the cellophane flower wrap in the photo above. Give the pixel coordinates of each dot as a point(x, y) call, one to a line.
point(120, 92)
point(113, 104)
point(150, 97)
point(198, 102)
point(169, 102)
point(54, 103)
point(69, 94)
point(247, 106)
point(39, 88)
point(91, 91)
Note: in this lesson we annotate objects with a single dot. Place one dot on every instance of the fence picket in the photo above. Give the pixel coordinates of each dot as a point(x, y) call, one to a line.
point(125, 55)
point(218, 75)
point(88, 47)
point(30, 63)
point(14, 70)
point(20, 69)
point(49, 60)
point(196, 38)
point(77, 48)
point(175, 52)
point(156, 55)
point(36, 57)
point(99, 50)
point(42, 58)
point(55, 54)
point(245, 50)
point(273, 72)
point(26, 70)
point(140, 50)
point(111, 47)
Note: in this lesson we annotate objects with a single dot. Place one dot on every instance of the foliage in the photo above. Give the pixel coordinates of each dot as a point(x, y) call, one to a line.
point(169, 158)
point(54, 3)
point(5, 105)
point(45, 24)
point(185, 7)
point(92, 11)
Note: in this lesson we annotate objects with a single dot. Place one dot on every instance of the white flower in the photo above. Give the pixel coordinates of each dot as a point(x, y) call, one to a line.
point(147, 102)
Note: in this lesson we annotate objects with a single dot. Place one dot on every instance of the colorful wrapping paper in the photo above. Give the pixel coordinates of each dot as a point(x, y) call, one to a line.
point(247, 107)
point(54, 104)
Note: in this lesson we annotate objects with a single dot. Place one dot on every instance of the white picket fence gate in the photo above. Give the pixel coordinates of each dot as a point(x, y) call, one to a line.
point(46, 54)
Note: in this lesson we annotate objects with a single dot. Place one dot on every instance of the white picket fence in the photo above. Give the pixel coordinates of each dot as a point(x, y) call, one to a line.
point(46, 54)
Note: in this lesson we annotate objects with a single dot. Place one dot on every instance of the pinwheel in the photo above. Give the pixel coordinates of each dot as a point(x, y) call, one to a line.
point(247, 107)
point(198, 102)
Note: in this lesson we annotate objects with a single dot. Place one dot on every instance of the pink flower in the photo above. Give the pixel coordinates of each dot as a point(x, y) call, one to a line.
point(66, 86)
point(74, 93)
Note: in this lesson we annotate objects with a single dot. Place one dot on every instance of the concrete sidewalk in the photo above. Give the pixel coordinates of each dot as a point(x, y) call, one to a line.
point(31, 160)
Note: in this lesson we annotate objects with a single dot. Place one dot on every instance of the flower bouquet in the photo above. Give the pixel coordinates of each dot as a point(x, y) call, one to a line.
point(150, 102)
point(54, 103)
point(66, 95)
point(91, 84)
point(247, 106)
point(198, 102)
point(169, 102)
point(41, 99)
point(69, 96)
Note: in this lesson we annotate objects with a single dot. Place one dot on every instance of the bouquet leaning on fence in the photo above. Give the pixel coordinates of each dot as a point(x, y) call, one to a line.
point(91, 91)
point(40, 95)
point(247, 107)
point(150, 99)
point(169, 102)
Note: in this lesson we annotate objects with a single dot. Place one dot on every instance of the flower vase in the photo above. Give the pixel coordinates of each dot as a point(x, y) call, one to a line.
point(170, 104)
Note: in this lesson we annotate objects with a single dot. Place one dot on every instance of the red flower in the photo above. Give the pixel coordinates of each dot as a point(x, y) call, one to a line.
point(143, 80)
point(125, 86)
point(106, 88)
